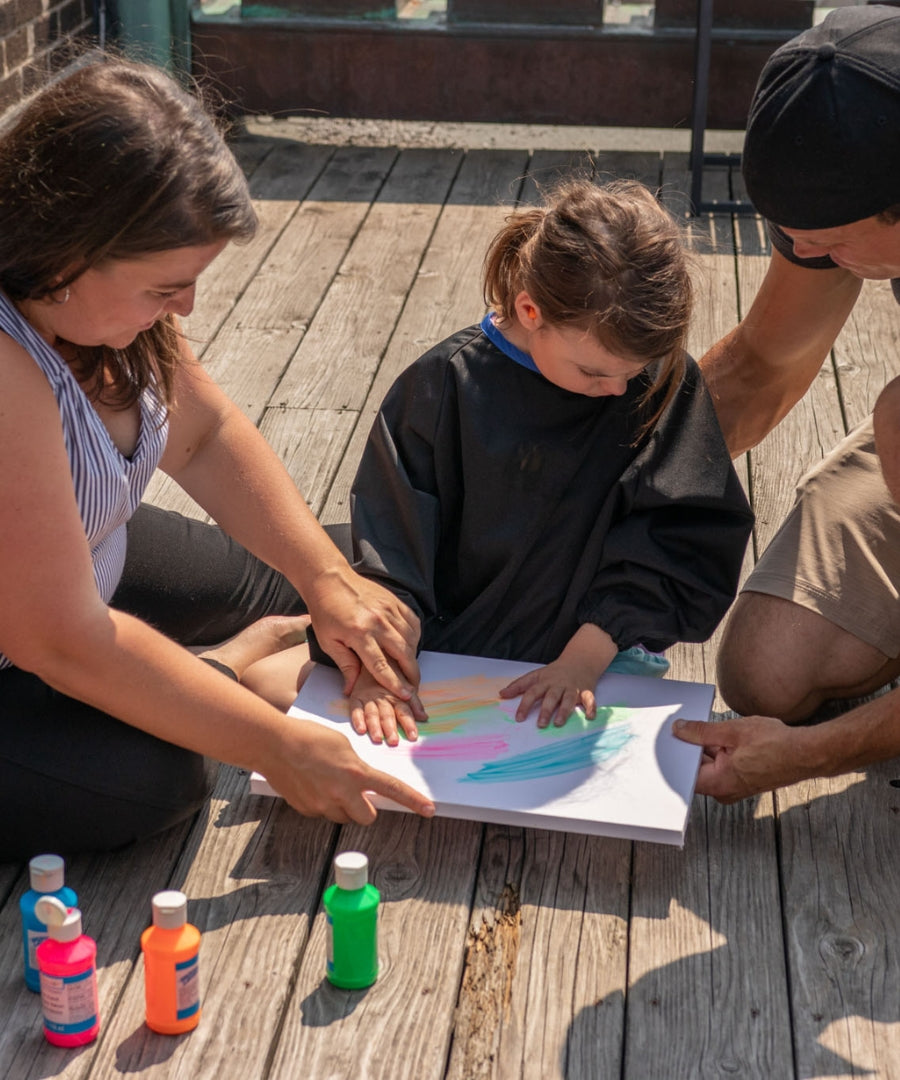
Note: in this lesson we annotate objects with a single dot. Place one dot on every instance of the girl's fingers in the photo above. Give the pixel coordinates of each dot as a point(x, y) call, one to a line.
point(520, 685)
point(566, 706)
point(527, 703)
point(407, 722)
point(549, 707)
point(373, 722)
point(358, 718)
point(387, 716)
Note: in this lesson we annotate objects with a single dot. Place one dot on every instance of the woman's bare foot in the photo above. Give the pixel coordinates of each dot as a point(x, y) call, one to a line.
point(270, 635)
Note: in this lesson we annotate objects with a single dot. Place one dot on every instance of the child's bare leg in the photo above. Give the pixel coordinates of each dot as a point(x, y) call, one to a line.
point(278, 677)
point(269, 636)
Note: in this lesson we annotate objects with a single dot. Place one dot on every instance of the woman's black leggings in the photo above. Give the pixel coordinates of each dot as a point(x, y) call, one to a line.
point(75, 779)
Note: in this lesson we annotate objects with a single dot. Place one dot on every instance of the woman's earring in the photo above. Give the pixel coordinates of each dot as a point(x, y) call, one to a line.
point(65, 298)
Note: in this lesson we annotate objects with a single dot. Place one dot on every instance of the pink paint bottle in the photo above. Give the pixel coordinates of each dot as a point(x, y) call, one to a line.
point(67, 962)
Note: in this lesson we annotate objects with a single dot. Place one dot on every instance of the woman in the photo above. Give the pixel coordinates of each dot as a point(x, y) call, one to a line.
point(116, 192)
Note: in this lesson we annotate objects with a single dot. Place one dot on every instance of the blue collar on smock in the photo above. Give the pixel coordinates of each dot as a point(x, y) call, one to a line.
point(506, 346)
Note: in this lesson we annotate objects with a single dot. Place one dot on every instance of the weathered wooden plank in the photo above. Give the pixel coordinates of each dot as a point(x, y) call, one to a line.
point(399, 1028)
point(358, 315)
point(548, 167)
point(712, 242)
point(248, 279)
point(642, 165)
point(255, 346)
point(311, 443)
point(543, 988)
point(249, 148)
point(841, 882)
point(669, 979)
point(253, 877)
point(865, 353)
point(446, 294)
point(738, 988)
point(276, 186)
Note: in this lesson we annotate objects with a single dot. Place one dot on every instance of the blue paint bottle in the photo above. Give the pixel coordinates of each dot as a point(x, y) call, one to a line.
point(47, 878)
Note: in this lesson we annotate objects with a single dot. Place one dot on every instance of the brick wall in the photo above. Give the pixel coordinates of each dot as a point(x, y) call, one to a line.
point(36, 37)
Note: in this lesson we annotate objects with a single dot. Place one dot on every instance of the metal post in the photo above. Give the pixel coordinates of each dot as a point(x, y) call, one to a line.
point(701, 99)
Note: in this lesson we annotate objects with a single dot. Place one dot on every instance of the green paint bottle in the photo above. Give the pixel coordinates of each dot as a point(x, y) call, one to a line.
point(351, 909)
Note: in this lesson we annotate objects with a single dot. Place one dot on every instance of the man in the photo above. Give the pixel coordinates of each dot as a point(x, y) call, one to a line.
point(820, 615)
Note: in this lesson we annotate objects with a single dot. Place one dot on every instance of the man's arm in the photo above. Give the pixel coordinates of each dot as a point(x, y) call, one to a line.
point(759, 371)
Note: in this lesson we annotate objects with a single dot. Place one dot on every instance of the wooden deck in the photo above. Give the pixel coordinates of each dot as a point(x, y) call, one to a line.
point(769, 947)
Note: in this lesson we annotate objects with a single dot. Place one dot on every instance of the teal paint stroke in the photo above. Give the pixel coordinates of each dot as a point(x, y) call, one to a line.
point(557, 758)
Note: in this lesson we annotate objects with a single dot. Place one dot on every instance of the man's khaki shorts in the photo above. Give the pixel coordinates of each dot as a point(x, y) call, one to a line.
point(838, 551)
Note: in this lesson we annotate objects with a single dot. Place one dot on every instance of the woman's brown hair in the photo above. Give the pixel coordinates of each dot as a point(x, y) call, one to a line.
point(114, 161)
point(608, 259)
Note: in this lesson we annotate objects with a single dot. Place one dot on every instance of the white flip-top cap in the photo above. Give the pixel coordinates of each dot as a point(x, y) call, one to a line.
point(63, 924)
point(47, 873)
point(351, 870)
point(169, 909)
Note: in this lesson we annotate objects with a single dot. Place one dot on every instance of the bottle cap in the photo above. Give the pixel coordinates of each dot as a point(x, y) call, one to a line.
point(47, 873)
point(169, 909)
point(351, 870)
point(63, 924)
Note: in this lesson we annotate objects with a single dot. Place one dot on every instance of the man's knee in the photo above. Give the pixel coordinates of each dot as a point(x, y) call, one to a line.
point(763, 667)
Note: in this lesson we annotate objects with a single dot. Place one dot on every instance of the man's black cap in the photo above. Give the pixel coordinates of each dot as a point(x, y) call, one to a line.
point(822, 147)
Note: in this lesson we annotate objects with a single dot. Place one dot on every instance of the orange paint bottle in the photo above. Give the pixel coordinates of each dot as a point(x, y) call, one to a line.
point(171, 949)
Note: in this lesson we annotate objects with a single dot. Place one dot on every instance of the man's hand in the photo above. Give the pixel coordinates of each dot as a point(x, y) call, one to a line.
point(748, 755)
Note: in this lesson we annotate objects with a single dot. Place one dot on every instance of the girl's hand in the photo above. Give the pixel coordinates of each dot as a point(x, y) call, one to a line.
point(378, 712)
point(567, 682)
point(559, 687)
point(318, 773)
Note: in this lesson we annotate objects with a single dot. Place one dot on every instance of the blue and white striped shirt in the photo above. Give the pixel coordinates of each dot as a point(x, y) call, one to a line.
point(108, 486)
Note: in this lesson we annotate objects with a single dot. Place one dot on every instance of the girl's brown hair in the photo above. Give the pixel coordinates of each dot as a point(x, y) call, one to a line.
point(114, 161)
point(607, 259)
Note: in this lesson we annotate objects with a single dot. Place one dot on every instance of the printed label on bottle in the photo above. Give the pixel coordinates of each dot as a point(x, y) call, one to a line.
point(329, 942)
point(187, 987)
point(69, 1002)
point(35, 937)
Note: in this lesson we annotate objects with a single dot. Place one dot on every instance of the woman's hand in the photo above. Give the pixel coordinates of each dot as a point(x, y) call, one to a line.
point(360, 624)
point(317, 771)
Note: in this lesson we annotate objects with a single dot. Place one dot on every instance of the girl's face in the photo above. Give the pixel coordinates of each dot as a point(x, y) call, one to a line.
point(112, 303)
point(572, 358)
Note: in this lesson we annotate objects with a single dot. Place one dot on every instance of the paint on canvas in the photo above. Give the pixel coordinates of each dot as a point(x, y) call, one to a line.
point(620, 774)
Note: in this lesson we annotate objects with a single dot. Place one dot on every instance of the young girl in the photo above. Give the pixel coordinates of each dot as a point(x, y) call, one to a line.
point(552, 485)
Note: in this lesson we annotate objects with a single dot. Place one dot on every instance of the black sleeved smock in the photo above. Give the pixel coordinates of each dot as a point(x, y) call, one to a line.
point(507, 511)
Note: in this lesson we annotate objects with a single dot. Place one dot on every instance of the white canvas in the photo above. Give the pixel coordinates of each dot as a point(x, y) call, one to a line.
point(623, 774)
